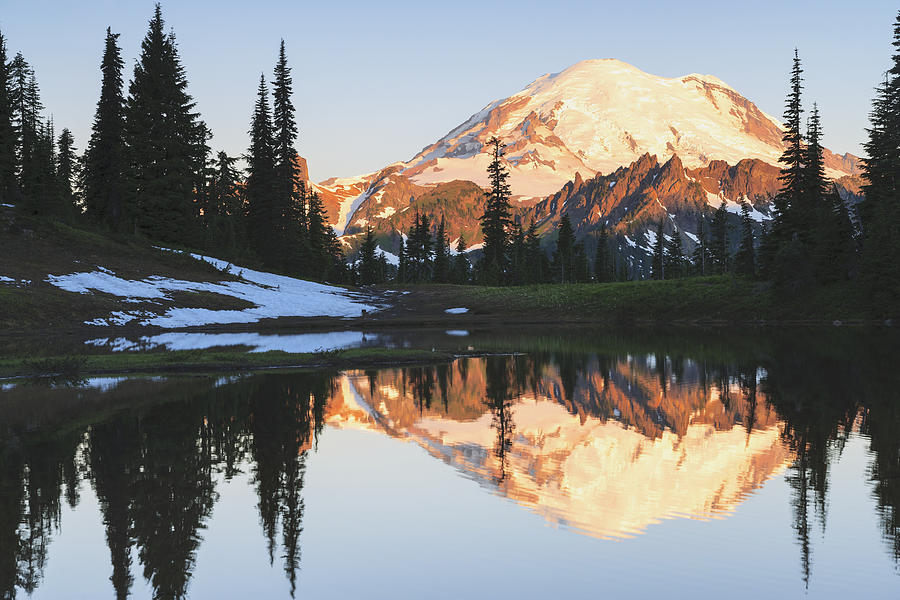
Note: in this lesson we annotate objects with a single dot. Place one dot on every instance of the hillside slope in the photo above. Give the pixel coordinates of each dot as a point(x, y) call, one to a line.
point(53, 276)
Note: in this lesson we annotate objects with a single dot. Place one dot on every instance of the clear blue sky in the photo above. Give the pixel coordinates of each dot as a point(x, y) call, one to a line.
point(377, 81)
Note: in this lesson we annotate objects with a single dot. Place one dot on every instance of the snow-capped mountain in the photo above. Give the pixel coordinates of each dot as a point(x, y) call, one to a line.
point(598, 115)
point(589, 120)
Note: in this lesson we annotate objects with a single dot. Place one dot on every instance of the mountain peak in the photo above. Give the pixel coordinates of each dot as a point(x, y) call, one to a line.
point(594, 117)
point(597, 115)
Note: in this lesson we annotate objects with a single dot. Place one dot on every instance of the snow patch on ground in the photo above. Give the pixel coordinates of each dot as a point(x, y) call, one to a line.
point(456, 311)
point(11, 281)
point(272, 296)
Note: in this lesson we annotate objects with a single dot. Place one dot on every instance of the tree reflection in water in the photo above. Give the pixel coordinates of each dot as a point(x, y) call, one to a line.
point(153, 464)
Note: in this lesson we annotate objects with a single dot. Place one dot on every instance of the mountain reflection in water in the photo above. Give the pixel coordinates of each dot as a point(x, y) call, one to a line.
point(618, 450)
point(602, 443)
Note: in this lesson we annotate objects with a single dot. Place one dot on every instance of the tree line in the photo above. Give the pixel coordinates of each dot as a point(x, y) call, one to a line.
point(148, 169)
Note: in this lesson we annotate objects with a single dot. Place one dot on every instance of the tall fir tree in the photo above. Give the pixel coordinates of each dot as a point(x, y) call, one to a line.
point(496, 217)
point(261, 182)
point(674, 260)
point(564, 256)
point(369, 267)
point(225, 223)
point(816, 184)
point(288, 207)
point(581, 266)
point(161, 137)
point(535, 258)
point(420, 249)
point(461, 265)
point(402, 275)
point(603, 263)
point(202, 168)
point(226, 187)
point(835, 251)
point(325, 258)
point(789, 200)
point(103, 177)
point(27, 126)
point(658, 264)
point(19, 73)
point(718, 247)
point(517, 260)
point(43, 186)
point(441, 254)
point(880, 211)
point(8, 183)
point(701, 257)
point(67, 172)
point(745, 259)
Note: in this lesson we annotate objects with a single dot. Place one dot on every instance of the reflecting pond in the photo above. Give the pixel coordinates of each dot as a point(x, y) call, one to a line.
point(558, 464)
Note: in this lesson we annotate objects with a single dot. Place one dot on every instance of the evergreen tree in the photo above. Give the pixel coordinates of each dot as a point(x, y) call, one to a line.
point(658, 266)
point(496, 217)
point(19, 73)
point(674, 260)
point(103, 177)
point(288, 205)
point(66, 167)
point(603, 264)
point(420, 249)
point(27, 125)
point(581, 266)
point(815, 184)
point(441, 254)
point(260, 187)
point(880, 211)
point(368, 261)
point(225, 231)
point(535, 258)
point(226, 196)
point(564, 257)
point(325, 259)
point(402, 263)
point(517, 264)
point(788, 202)
point(161, 136)
point(701, 250)
point(718, 248)
point(835, 251)
point(461, 262)
point(43, 185)
point(202, 169)
point(745, 259)
point(8, 184)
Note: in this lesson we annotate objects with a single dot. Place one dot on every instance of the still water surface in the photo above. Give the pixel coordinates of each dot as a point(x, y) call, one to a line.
point(578, 466)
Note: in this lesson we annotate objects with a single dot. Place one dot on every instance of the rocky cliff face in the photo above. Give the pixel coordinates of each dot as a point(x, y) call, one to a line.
point(632, 200)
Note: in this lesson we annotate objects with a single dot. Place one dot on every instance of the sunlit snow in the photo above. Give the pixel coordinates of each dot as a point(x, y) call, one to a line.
point(272, 296)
